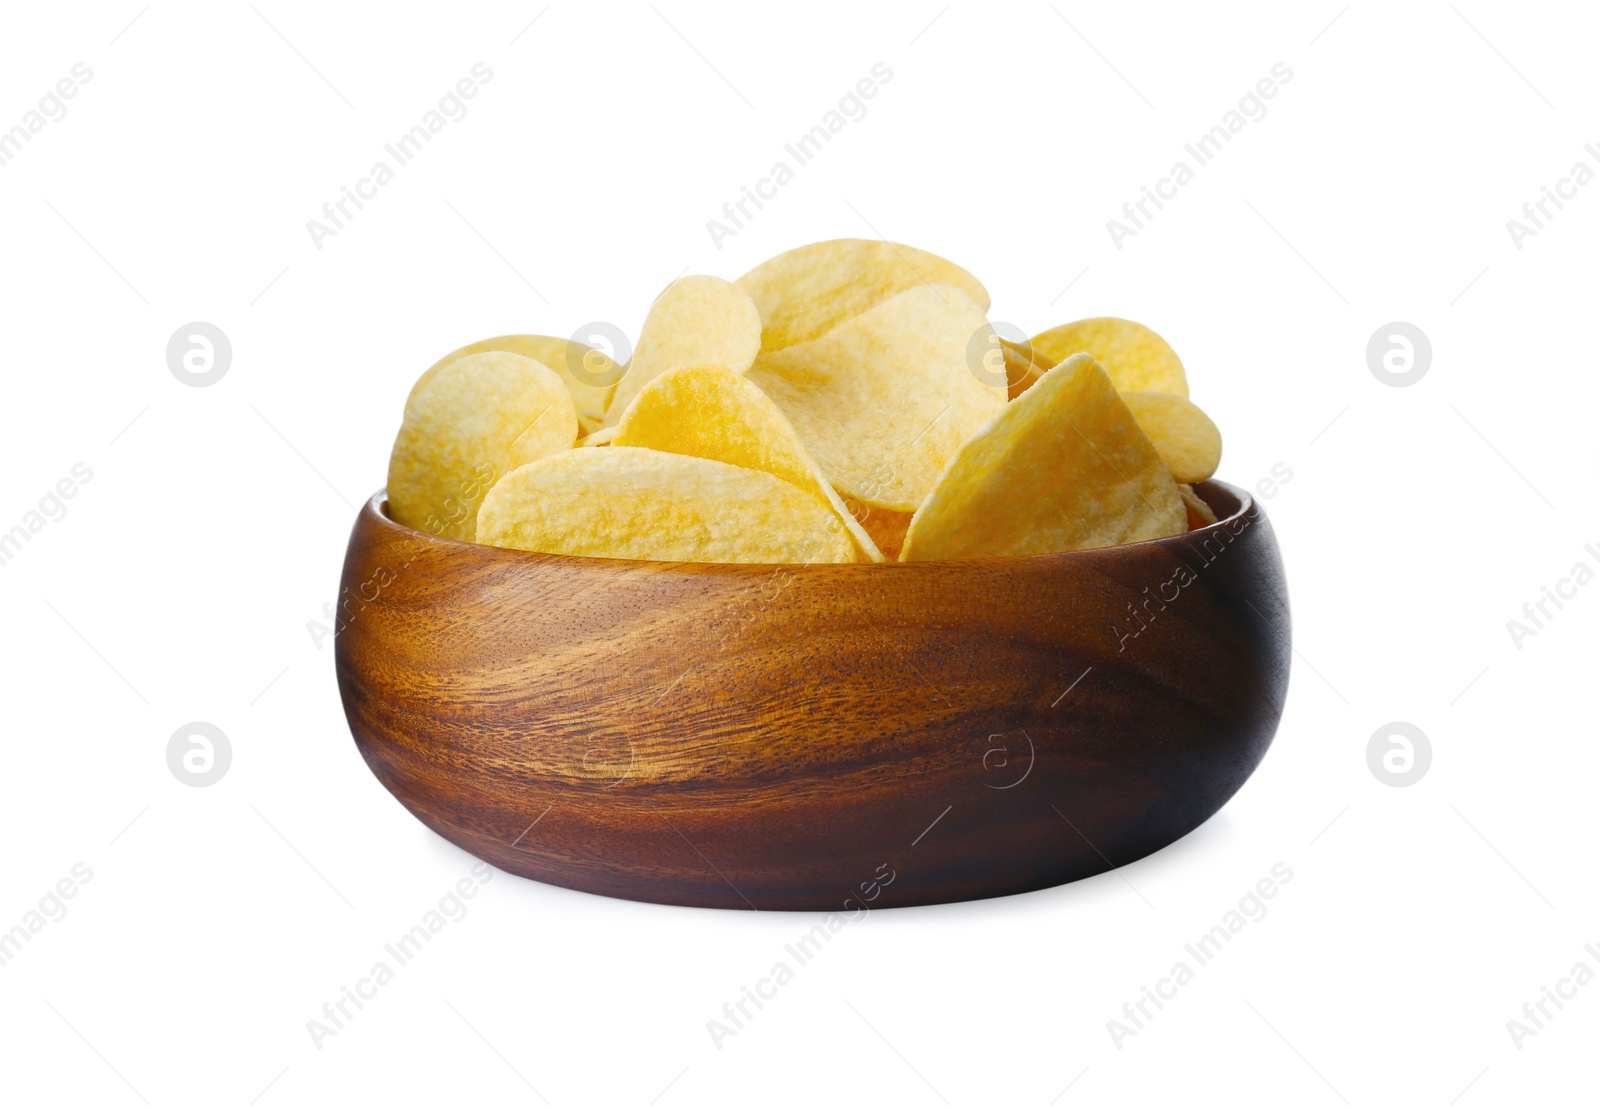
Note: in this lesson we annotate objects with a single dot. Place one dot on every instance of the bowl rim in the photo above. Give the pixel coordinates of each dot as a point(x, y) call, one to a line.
point(376, 508)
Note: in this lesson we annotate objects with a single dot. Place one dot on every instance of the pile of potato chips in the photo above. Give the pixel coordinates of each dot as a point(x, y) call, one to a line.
point(844, 402)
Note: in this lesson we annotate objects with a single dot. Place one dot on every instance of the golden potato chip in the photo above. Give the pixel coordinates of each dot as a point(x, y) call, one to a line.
point(1024, 366)
point(883, 400)
point(1185, 436)
point(599, 437)
point(807, 292)
point(1200, 514)
point(471, 423)
point(589, 374)
point(697, 321)
point(1135, 357)
point(1018, 364)
point(1062, 468)
point(887, 529)
point(712, 413)
point(635, 503)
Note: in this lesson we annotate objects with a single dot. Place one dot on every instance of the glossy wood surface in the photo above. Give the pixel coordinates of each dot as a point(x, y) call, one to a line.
point(831, 737)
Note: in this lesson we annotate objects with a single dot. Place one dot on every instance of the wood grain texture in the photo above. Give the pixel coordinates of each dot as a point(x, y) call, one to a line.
point(788, 737)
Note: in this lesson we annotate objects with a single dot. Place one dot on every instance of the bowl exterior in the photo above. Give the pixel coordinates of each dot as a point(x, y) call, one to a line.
point(831, 737)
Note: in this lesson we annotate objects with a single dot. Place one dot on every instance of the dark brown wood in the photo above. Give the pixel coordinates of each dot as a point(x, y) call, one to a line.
point(788, 738)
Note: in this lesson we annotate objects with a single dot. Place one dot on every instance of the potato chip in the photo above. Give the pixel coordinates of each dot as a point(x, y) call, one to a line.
point(807, 292)
point(1135, 357)
point(1200, 514)
point(599, 437)
point(1062, 468)
point(883, 400)
point(635, 503)
point(471, 423)
point(1185, 436)
point(1018, 365)
point(887, 529)
point(712, 413)
point(696, 321)
point(1024, 366)
point(589, 374)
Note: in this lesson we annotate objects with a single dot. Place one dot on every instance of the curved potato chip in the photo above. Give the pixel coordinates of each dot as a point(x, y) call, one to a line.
point(634, 503)
point(478, 418)
point(1064, 467)
point(591, 375)
point(888, 530)
point(807, 292)
point(599, 438)
point(884, 399)
point(1187, 439)
point(697, 321)
point(712, 413)
point(1024, 366)
point(1200, 514)
point(1135, 357)
point(1018, 364)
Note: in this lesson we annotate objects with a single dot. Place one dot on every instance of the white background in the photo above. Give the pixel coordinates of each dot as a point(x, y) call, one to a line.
point(180, 584)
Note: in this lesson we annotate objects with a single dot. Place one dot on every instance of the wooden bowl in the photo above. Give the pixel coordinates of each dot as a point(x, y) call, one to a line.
point(837, 737)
